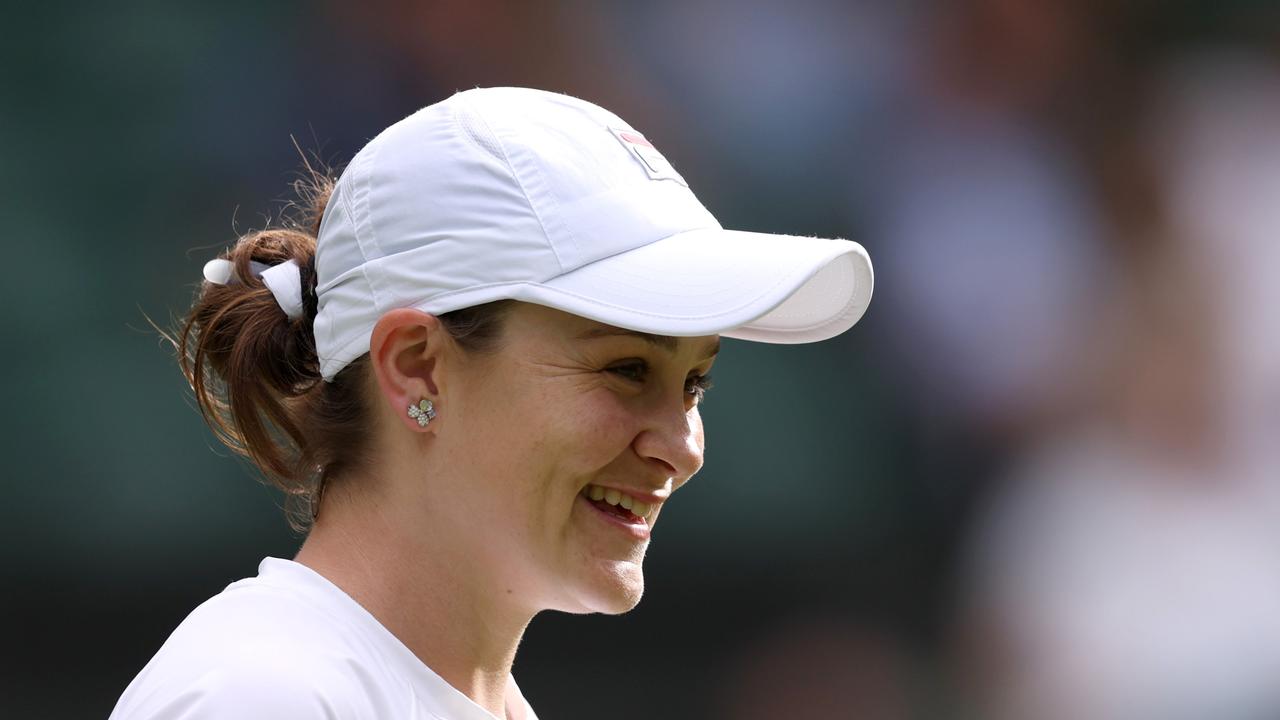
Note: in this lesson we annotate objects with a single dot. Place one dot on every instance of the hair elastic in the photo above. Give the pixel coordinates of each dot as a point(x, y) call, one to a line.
point(283, 280)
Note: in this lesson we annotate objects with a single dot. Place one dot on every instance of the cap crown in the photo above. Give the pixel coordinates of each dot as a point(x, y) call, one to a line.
point(463, 200)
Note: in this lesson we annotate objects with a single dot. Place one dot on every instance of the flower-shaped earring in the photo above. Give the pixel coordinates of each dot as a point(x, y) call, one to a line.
point(423, 412)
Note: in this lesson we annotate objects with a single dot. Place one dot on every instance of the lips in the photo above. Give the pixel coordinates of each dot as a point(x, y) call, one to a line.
point(632, 527)
point(621, 503)
point(631, 510)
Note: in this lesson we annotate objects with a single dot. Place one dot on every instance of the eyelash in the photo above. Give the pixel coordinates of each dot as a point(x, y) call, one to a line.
point(696, 385)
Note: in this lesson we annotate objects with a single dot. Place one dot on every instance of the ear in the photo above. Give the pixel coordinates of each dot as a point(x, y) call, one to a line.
point(406, 350)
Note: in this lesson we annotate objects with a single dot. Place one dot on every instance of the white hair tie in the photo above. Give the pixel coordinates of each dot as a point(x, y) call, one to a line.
point(283, 280)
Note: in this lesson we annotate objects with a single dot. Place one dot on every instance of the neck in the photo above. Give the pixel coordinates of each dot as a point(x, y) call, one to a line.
point(424, 591)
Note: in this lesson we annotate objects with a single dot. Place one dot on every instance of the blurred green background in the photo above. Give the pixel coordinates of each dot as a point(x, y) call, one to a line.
point(1015, 168)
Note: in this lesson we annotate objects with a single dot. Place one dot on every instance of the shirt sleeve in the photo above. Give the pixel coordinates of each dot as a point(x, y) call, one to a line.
point(246, 692)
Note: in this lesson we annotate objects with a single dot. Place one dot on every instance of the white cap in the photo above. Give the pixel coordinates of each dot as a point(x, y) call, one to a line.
point(511, 193)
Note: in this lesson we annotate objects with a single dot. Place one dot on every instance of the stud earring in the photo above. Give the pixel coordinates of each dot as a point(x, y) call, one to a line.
point(423, 412)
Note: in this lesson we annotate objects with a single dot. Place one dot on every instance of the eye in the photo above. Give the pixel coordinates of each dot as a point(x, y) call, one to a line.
point(697, 386)
point(637, 371)
point(633, 370)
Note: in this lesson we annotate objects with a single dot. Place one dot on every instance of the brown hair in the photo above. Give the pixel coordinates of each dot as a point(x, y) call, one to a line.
point(255, 373)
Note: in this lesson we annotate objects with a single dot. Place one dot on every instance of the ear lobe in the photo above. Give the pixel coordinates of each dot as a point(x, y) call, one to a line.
point(405, 350)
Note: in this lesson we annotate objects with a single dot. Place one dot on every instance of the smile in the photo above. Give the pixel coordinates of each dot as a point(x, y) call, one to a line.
point(615, 502)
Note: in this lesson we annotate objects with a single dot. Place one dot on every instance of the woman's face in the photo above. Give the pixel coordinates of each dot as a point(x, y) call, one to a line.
point(569, 408)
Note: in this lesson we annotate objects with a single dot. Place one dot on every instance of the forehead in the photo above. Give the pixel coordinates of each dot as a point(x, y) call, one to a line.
point(564, 326)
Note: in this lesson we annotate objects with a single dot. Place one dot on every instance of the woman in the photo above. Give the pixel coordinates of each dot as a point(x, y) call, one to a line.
point(480, 375)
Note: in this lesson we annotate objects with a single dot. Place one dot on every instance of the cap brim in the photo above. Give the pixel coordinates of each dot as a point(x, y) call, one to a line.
point(753, 286)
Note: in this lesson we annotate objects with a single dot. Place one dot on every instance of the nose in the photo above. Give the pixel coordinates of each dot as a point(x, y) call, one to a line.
point(672, 439)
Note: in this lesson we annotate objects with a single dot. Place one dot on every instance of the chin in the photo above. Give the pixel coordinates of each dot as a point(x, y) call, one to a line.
point(621, 603)
point(613, 592)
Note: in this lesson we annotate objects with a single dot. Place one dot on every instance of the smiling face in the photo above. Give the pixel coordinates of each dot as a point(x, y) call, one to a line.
point(569, 409)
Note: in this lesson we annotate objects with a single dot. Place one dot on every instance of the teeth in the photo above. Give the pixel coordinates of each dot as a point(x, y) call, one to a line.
point(615, 497)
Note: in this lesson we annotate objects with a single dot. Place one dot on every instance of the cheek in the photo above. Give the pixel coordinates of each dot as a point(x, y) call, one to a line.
point(613, 424)
point(548, 441)
point(591, 432)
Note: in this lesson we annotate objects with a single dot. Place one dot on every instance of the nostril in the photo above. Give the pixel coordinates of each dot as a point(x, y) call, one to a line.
point(667, 467)
point(676, 447)
point(649, 451)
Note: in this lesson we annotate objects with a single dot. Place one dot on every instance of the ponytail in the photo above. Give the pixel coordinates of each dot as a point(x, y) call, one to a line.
point(255, 373)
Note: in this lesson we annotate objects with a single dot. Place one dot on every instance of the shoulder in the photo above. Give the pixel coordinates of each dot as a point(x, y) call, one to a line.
point(253, 651)
point(252, 690)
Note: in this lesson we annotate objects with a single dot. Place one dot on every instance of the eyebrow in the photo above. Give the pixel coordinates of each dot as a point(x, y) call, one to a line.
point(665, 342)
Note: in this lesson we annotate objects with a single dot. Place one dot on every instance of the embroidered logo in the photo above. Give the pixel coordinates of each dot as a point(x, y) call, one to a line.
point(650, 159)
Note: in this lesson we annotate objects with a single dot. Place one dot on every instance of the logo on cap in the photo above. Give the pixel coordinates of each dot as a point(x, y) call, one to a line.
point(650, 159)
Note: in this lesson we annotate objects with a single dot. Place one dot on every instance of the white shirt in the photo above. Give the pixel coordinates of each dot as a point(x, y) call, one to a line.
point(290, 644)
